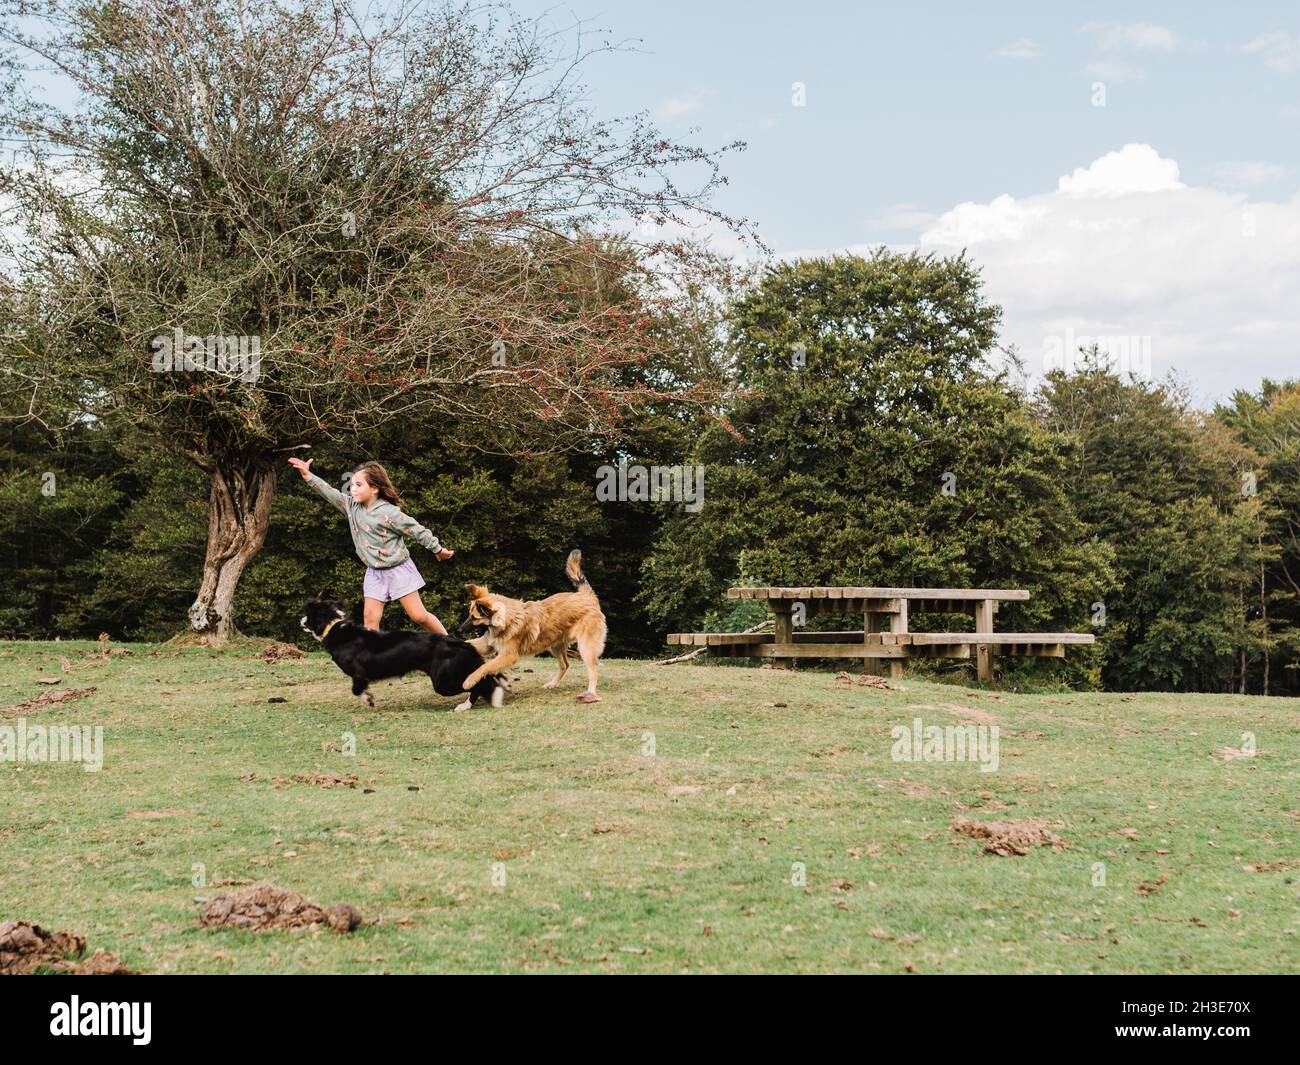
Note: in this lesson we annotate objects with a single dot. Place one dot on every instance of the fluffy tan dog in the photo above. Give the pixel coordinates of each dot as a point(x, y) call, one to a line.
point(516, 628)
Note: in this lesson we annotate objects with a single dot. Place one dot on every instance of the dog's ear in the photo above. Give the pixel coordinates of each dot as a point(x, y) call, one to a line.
point(476, 592)
point(358, 611)
point(322, 596)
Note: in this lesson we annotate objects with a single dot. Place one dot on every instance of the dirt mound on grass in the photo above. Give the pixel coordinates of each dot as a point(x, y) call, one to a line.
point(278, 652)
point(52, 697)
point(26, 947)
point(321, 780)
point(101, 963)
point(1010, 837)
point(868, 679)
point(265, 907)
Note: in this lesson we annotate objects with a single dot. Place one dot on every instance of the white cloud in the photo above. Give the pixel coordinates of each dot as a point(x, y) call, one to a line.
point(676, 107)
point(1138, 36)
point(1281, 50)
point(1105, 70)
point(1002, 219)
point(1134, 168)
point(1123, 248)
point(1023, 48)
point(1201, 279)
point(1243, 174)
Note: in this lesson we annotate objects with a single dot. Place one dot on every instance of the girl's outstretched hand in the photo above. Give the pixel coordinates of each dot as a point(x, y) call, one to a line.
point(302, 467)
point(443, 555)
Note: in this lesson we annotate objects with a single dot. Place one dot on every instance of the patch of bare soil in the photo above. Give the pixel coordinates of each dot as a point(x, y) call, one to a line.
point(866, 679)
point(1009, 837)
point(26, 947)
point(266, 907)
point(278, 652)
point(101, 963)
point(49, 698)
point(971, 713)
point(319, 780)
point(322, 780)
point(1272, 867)
point(1231, 754)
point(1152, 887)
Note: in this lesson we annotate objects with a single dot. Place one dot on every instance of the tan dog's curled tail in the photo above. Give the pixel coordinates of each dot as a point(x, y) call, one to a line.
point(573, 569)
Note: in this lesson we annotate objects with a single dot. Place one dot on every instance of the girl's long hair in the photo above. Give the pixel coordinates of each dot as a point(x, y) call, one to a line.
point(377, 477)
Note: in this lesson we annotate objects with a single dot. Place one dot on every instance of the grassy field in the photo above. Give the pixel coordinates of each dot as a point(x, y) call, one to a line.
point(661, 830)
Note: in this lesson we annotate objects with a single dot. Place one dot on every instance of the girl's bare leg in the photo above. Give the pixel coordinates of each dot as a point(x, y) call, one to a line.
point(374, 613)
point(414, 608)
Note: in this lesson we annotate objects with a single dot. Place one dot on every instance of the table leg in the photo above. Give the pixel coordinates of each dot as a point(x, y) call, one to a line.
point(983, 652)
point(873, 667)
point(899, 625)
point(784, 631)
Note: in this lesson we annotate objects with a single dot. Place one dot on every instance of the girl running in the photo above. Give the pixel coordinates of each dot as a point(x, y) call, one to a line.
point(374, 513)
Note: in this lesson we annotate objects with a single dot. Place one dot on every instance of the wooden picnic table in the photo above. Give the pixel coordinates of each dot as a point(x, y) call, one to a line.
point(885, 636)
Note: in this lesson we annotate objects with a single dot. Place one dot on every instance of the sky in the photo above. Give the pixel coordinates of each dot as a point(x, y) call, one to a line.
point(1119, 171)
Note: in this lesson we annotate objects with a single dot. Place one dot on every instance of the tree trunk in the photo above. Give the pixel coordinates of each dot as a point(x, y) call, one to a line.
point(239, 514)
point(1245, 637)
point(1263, 613)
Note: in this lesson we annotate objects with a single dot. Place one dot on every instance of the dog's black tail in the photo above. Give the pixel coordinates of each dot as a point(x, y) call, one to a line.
point(573, 570)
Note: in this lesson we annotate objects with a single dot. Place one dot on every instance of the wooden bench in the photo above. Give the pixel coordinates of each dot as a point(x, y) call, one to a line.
point(885, 636)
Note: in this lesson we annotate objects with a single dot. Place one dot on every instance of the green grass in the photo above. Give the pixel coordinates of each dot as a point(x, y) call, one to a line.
point(620, 861)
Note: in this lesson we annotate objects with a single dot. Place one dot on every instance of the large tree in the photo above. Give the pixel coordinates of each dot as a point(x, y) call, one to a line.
point(1268, 422)
point(869, 442)
point(407, 216)
point(1162, 484)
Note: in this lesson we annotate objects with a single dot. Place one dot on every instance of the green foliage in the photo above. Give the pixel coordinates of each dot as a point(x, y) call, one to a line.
point(875, 447)
point(68, 507)
point(1161, 486)
point(1269, 424)
point(864, 440)
point(119, 547)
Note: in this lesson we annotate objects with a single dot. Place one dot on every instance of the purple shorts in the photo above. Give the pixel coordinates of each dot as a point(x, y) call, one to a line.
point(393, 583)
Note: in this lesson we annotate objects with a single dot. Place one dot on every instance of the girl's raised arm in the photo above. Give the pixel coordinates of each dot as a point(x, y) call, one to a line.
point(320, 484)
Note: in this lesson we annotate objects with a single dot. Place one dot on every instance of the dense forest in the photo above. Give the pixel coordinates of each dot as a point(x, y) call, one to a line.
point(868, 434)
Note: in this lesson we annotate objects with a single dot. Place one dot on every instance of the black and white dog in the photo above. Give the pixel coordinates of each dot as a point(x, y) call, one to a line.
point(366, 655)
